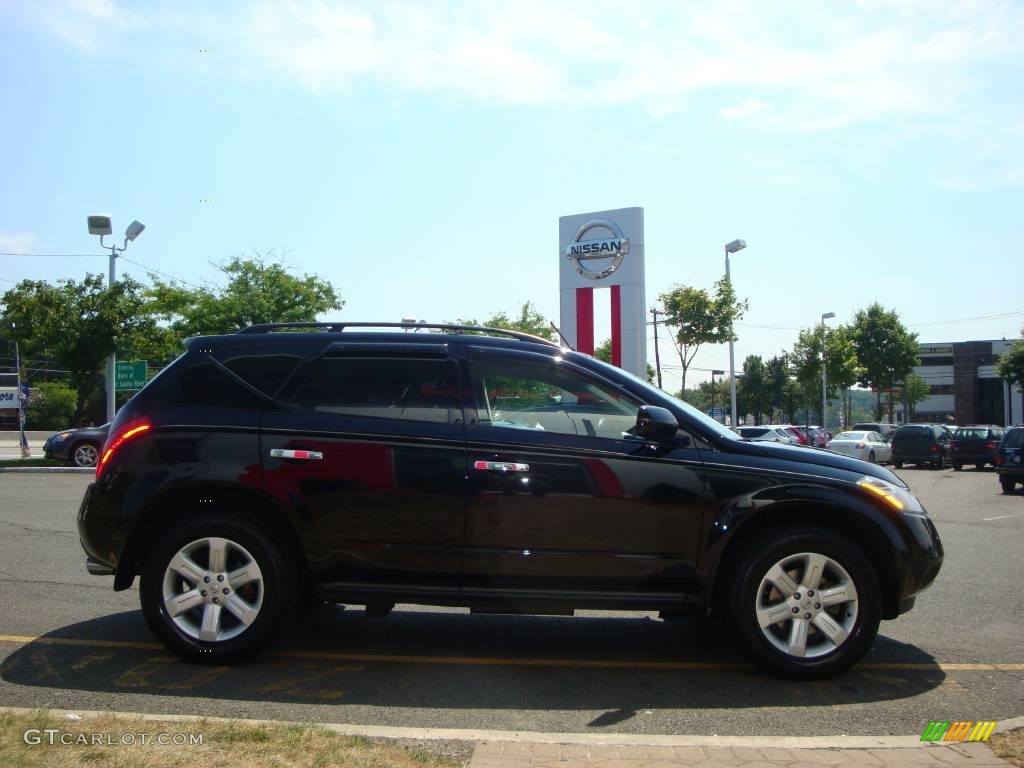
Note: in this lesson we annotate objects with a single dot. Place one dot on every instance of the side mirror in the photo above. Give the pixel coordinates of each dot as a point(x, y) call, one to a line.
point(655, 423)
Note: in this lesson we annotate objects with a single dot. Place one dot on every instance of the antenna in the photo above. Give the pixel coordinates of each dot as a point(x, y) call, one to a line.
point(559, 332)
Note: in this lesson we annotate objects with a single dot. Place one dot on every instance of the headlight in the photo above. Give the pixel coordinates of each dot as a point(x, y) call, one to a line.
point(898, 498)
point(61, 436)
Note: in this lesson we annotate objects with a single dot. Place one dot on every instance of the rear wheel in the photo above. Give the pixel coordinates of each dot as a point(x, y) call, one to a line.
point(1007, 483)
point(85, 455)
point(898, 464)
point(214, 589)
point(871, 457)
point(806, 603)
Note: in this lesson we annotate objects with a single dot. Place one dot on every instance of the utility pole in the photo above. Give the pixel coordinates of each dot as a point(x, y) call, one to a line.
point(657, 354)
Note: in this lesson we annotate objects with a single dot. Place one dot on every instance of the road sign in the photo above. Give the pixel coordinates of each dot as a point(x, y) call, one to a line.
point(129, 376)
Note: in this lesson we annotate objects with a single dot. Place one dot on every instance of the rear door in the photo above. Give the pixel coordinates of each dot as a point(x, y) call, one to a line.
point(372, 461)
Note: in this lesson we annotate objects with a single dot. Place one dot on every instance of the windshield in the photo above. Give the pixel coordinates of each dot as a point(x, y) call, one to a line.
point(965, 434)
point(851, 436)
point(664, 399)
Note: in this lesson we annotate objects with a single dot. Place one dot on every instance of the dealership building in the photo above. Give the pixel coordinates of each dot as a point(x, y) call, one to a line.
point(964, 385)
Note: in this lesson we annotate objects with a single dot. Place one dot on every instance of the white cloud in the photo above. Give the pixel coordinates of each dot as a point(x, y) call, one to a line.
point(84, 24)
point(751, 107)
point(21, 242)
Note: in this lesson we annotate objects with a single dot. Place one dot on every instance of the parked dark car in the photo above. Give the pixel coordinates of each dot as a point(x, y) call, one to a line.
point(976, 444)
point(884, 428)
point(78, 447)
point(921, 444)
point(482, 468)
point(1010, 459)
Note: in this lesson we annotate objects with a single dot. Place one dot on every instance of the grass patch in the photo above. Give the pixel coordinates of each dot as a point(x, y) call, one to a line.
point(229, 744)
point(1009, 746)
point(42, 462)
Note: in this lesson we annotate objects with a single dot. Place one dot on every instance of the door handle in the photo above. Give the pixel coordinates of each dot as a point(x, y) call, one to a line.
point(501, 466)
point(286, 453)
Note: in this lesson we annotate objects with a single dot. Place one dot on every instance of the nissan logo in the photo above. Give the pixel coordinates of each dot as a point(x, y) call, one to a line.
point(580, 251)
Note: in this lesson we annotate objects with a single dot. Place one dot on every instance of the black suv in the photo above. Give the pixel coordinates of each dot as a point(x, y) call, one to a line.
point(484, 468)
point(920, 444)
point(976, 444)
point(1010, 458)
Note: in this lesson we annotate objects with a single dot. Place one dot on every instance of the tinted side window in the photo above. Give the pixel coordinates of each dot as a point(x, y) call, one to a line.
point(528, 394)
point(1014, 438)
point(204, 383)
point(409, 389)
point(265, 372)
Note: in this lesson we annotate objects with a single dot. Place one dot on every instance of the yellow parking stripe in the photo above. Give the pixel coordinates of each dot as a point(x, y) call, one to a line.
point(513, 662)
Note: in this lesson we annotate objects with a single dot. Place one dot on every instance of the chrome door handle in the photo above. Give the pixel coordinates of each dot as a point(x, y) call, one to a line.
point(501, 466)
point(286, 453)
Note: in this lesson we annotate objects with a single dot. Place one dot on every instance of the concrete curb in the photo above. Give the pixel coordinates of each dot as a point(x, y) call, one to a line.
point(593, 739)
point(45, 470)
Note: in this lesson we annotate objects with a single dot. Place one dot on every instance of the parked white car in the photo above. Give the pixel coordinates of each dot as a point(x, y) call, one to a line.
point(869, 446)
point(769, 433)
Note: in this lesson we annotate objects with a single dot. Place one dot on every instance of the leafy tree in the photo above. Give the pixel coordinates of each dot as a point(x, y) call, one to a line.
point(886, 351)
point(79, 324)
point(776, 384)
point(698, 317)
point(841, 365)
point(913, 390)
point(753, 391)
point(258, 290)
point(53, 407)
point(529, 321)
point(1011, 363)
point(805, 361)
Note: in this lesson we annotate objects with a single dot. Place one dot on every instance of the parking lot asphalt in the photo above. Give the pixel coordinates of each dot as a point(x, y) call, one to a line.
point(67, 640)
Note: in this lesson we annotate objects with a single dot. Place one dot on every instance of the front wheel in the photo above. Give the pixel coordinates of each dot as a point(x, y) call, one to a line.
point(871, 457)
point(957, 466)
point(1007, 483)
point(806, 603)
point(85, 455)
point(214, 589)
point(898, 464)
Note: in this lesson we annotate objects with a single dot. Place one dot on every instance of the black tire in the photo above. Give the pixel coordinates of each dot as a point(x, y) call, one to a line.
point(957, 466)
point(84, 454)
point(871, 457)
point(980, 466)
point(757, 562)
point(245, 540)
point(897, 464)
point(1008, 483)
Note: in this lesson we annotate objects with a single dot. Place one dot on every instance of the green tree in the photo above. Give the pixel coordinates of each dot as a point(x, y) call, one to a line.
point(806, 364)
point(841, 365)
point(53, 407)
point(776, 384)
point(1011, 363)
point(913, 390)
point(529, 320)
point(886, 351)
point(258, 290)
point(603, 352)
point(79, 324)
point(697, 317)
point(752, 389)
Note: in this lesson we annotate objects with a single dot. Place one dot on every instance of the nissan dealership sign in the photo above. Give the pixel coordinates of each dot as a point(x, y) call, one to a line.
point(595, 259)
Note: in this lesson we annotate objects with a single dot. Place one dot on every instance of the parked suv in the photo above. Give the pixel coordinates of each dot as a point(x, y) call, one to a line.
point(920, 444)
point(977, 444)
point(484, 468)
point(1010, 460)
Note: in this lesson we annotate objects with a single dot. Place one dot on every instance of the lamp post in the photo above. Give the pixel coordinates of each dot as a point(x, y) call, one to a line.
point(713, 374)
point(734, 247)
point(99, 224)
point(824, 385)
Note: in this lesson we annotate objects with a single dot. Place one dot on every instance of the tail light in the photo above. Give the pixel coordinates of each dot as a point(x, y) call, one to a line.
point(859, 445)
point(999, 460)
point(935, 448)
point(128, 431)
point(954, 445)
point(990, 446)
point(828, 445)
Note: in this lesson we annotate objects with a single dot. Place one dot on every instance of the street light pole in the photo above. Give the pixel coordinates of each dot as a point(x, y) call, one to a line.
point(733, 247)
point(824, 385)
point(99, 224)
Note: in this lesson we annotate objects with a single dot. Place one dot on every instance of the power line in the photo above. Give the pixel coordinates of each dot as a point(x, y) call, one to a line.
point(58, 255)
point(158, 272)
point(969, 319)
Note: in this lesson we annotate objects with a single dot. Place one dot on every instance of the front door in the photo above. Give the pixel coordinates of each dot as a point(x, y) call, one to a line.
point(372, 465)
point(565, 503)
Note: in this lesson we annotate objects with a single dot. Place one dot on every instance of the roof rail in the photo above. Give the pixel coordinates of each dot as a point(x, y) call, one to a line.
point(337, 327)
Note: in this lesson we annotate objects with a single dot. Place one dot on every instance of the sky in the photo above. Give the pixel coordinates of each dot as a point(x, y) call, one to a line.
point(418, 154)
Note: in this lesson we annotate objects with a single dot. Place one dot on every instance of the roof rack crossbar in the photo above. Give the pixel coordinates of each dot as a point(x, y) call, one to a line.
point(335, 327)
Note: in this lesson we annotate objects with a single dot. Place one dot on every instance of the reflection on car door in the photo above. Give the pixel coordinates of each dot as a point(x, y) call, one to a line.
point(561, 493)
point(372, 465)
